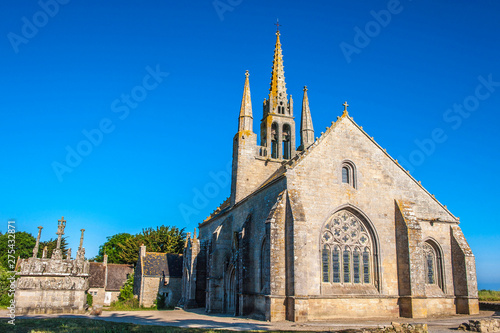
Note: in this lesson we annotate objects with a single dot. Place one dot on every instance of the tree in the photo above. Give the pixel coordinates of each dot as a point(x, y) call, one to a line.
point(163, 239)
point(51, 245)
point(23, 247)
point(129, 250)
point(124, 248)
point(112, 249)
point(5, 287)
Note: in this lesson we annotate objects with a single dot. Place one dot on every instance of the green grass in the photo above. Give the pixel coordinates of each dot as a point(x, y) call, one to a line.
point(64, 325)
point(489, 295)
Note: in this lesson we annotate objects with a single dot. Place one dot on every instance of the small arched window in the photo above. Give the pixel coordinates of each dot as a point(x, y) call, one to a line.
point(349, 173)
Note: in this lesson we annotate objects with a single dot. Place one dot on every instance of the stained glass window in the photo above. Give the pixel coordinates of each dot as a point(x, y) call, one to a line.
point(336, 265)
point(326, 263)
point(366, 266)
point(351, 250)
point(346, 262)
point(345, 175)
point(430, 263)
point(355, 266)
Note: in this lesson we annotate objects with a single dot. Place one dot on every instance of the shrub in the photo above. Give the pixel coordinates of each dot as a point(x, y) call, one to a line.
point(127, 291)
point(90, 299)
point(160, 301)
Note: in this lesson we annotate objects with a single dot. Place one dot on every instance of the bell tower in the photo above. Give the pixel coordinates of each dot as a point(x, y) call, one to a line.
point(277, 129)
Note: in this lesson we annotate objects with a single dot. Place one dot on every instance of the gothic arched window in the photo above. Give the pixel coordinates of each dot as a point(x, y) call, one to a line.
point(349, 173)
point(433, 266)
point(347, 250)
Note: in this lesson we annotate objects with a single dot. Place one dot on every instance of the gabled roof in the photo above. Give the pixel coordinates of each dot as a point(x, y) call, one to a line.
point(299, 157)
point(159, 264)
point(117, 275)
point(97, 275)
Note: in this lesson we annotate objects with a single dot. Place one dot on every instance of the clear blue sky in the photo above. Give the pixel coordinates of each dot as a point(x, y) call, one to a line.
point(405, 69)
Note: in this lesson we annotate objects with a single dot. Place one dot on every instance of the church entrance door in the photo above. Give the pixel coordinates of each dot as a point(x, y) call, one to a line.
point(230, 291)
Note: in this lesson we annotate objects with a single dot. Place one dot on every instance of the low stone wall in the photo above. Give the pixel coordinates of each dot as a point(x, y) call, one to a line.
point(481, 325)
point(489, 306)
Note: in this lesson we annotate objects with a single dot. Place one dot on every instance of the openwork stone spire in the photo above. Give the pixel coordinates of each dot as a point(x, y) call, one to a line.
point(306, 125)
point(246, 118)
point(277, 92)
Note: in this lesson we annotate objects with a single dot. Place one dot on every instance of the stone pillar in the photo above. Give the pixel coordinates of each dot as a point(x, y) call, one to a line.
point(35, 249)
point(276, 272)
point(80, 254)
point(464, 273)
point(411, 268)
point(142, 251)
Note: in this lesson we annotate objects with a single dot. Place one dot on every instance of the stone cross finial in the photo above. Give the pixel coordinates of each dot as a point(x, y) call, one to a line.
point(247, 74)
point(60, 231)
point(35, 249)
point(305, 88)
point(278, 25)
point(345, 106)
point(81, 239)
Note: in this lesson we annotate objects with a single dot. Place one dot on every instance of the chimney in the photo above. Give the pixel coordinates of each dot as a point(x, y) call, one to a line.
point(142, 251)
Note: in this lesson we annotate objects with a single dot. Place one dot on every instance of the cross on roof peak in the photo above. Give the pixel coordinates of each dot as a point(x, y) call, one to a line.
point(345, 106)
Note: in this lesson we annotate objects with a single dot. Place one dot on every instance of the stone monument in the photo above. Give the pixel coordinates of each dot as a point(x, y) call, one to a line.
point(52, 285)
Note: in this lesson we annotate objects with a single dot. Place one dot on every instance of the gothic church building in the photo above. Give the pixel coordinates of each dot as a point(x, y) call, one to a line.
point(333, 228)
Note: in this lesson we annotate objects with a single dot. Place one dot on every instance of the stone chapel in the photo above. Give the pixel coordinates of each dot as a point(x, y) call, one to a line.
point(324, 228)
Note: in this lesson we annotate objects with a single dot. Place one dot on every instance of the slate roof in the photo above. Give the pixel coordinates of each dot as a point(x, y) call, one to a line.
point(117, 275)
point(97, 275)
point(155, 264)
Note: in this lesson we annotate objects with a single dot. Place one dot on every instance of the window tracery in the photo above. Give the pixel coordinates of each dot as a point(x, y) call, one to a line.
point(347, 250)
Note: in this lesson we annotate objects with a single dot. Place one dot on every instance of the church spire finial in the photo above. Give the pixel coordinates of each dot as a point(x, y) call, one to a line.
point(277, 91)
point(246, 118)
point(306, 125)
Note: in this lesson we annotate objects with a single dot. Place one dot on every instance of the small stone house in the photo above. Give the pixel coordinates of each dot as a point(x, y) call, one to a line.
point(158, 273)
point(106, 280)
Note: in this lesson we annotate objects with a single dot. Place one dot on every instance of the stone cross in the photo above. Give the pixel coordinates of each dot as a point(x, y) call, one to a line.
point(278, 25)
point(81, 239)
point(60, 231)
point(345, 106)
point(35, 250)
